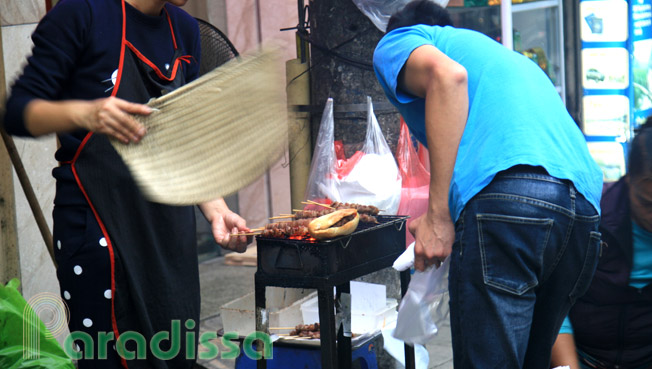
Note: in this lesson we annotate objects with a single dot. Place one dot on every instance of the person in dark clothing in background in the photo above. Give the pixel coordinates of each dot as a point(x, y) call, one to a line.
point(611, 326)
point(124, 264)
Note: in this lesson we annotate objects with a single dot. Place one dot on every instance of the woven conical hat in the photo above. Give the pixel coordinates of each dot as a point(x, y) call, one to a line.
point(212, 136)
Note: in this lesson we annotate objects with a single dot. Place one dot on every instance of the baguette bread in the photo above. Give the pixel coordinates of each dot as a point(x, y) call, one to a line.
point(329, 225)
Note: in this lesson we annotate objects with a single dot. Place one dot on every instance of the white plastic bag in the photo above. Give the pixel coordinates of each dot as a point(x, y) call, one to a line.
point(424, 306)
point(374, 179)
point(379, 11)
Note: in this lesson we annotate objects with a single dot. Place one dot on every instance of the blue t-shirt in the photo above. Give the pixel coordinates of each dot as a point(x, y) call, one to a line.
point(641, 274)
point(516, 115)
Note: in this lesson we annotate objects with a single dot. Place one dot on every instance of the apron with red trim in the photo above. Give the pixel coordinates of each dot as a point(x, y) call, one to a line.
point(153, 249)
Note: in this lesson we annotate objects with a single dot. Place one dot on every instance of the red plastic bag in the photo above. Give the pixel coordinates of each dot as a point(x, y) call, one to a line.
point(416, 179)
point(345, 166)
point(424, 156)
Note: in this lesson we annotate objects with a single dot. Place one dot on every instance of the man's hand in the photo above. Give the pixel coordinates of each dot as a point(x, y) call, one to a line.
point(434, 240)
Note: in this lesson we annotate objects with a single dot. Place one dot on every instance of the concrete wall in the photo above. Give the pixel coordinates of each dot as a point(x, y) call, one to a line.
point(18, 19)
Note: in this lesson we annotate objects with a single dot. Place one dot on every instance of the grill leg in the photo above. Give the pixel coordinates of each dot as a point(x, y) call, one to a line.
point(344, 356)
point(327, 328)
point(409, 350)
point(262, 320)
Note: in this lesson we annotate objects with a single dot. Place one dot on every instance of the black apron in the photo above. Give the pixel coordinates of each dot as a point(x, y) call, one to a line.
point(153, 248)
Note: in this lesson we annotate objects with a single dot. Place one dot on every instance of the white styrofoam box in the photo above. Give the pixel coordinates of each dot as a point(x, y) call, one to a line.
point(239, 315)
point(367, 296)
point(361, 322)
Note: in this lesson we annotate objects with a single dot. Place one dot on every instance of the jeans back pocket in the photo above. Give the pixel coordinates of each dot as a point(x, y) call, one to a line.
point(511, 248)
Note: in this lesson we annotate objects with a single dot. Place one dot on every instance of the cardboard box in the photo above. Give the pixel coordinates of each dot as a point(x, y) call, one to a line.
point(239, 314)
point(361, 321)
point(367, 296)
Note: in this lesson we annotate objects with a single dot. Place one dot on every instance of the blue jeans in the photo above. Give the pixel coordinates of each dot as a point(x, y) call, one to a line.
point(526, 248)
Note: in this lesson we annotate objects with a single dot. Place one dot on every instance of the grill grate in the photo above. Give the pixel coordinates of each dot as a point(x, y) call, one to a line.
point(301, 257)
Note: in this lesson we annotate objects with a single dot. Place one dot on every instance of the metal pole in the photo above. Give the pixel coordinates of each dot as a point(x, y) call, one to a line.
point(506, 23)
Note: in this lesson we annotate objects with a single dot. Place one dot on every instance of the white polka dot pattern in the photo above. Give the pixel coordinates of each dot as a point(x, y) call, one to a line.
point(77, 269)
point(107, 294)
point(103, 242)
point(87, 323)
point(66, 295)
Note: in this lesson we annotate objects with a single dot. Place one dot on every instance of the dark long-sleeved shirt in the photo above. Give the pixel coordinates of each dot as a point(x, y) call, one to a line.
point(76, 56)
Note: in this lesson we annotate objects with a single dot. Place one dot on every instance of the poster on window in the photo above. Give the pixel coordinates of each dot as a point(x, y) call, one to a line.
point(603, 21)
point(605, 68)
point(610, 156)
point(606, 115)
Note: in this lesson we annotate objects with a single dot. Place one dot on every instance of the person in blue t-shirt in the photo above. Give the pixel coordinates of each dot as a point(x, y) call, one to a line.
point(514, 193)
point(611, 325)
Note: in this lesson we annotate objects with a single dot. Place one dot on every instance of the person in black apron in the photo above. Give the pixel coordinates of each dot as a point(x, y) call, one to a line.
point(135, 265)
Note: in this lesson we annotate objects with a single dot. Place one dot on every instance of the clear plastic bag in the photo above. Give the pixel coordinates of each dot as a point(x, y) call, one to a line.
point(415, 180)
point(379, 11)
point(424, 306)
point(322, 182)
point(369, 177)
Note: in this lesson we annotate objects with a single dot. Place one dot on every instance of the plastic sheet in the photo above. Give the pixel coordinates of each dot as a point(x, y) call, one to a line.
point(424, 306)
point(379, 11)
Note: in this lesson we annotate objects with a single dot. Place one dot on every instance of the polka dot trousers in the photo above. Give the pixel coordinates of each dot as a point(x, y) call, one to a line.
point(84, 273)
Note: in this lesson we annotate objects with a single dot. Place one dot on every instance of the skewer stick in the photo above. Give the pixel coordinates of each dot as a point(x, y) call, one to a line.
point(246, 234)
point(310, 202)
point(282, 216)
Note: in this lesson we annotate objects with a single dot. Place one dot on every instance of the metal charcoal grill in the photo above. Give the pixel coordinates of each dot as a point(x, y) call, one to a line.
point(322, 265)
point(308, 257)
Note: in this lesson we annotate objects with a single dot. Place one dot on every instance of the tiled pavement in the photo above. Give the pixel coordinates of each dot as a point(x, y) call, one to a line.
point(223, 283)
